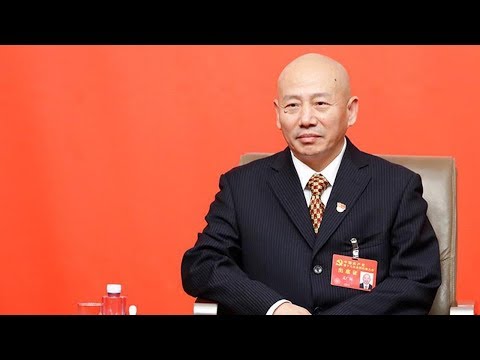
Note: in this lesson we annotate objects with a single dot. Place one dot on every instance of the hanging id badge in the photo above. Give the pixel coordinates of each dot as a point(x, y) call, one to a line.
point(353, 271)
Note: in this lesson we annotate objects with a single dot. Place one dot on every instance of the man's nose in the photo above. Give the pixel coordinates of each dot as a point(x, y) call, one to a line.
point(307, 117)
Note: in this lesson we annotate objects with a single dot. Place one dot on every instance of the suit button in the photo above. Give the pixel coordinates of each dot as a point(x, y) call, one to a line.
point(317, 269)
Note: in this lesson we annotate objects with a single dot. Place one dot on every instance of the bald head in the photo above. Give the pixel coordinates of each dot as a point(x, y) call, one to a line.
point(314, 108)
point(315, 67)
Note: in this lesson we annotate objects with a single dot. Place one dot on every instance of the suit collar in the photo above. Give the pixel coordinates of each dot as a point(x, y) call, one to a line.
point(351, 180)
point(286, 186)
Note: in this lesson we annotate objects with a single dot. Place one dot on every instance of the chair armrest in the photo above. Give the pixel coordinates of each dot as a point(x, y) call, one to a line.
point(204, 307)
point(463, 308)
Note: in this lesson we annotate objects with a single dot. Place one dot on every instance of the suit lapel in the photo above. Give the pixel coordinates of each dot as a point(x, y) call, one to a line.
point(351, 180)
point(286, 186)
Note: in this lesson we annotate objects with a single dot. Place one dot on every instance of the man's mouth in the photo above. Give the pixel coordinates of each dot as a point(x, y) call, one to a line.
point(307, 138)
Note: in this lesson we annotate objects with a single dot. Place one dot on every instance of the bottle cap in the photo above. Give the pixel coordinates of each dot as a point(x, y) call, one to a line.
point(114, 288)
point(132, 310)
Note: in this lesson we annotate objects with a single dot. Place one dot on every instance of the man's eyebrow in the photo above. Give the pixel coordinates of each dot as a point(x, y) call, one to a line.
point(297, 97)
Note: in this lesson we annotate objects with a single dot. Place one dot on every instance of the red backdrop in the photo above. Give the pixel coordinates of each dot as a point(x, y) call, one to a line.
point(95, 142)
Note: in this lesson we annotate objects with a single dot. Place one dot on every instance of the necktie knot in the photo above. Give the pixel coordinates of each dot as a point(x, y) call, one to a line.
point(317, 185)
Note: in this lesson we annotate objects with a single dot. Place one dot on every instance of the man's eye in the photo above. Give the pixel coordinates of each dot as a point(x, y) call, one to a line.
point(291, 108)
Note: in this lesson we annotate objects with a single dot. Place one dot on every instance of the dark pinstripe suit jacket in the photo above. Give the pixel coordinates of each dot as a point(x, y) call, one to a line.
point(259, 245)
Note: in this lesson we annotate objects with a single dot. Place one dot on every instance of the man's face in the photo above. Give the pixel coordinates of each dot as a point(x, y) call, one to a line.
point(366, 279)
point(313, 114)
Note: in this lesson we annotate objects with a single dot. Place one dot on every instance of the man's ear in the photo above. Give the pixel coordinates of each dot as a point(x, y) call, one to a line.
point(352, 110)
point(277, 111)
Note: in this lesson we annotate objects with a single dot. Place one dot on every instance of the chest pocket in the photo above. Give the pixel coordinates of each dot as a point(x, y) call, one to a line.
point(364, 242)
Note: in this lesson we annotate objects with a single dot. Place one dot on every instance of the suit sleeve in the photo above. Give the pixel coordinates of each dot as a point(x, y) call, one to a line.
point(414, 273)
point(211, 269)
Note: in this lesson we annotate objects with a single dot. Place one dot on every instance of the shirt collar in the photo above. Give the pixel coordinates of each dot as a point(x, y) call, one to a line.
point(330, 171)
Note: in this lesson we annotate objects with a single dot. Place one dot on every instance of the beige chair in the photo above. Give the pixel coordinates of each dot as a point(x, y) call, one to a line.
point(439, 183)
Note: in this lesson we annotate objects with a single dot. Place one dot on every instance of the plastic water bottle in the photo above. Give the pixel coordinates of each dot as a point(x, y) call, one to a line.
point(114, 303)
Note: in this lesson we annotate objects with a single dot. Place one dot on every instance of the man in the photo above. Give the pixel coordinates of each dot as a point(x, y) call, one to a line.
point(264, 251)
point(365, 284)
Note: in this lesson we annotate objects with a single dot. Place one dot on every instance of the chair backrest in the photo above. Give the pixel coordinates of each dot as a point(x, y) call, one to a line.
point(440, 191)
